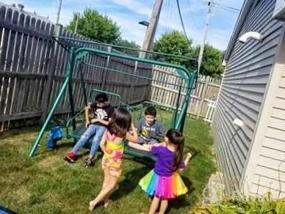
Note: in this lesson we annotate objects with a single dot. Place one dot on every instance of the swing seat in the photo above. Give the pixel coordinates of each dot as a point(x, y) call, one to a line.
point(80, 129)
point(77, 132)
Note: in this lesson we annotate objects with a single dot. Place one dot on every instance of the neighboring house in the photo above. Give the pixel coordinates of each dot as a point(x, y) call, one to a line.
point(252, 156)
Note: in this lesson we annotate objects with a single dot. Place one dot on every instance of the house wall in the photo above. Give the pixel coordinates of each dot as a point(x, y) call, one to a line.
point(265, 171)
point(243, 89)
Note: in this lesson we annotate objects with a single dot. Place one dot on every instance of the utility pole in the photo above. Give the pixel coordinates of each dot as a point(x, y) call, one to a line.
point(150, 31)
point(58, 12)
point(200, 58)
point(76, 22)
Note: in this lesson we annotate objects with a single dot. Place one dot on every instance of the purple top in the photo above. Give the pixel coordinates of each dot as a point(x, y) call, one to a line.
point(165, 158)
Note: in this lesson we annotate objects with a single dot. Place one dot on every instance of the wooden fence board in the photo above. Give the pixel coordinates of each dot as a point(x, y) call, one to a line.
point(165, 90)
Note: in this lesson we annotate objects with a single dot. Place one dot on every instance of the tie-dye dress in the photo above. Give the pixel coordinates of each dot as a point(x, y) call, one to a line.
point(113, 155)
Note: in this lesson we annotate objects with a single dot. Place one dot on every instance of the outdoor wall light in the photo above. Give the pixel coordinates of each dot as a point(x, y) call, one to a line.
point(144, 23)
point(238, 122)
point(250, 35)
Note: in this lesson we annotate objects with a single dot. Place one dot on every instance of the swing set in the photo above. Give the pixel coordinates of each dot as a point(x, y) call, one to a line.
point(120, 82)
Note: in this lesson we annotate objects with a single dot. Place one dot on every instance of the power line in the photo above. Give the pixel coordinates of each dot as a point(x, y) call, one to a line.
point(223, 8)
point(226, 7)
point(182, 22)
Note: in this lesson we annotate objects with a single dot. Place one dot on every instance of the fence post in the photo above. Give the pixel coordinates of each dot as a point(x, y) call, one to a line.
point(51, 72)
point(105, 71)
point(210, 111)
point(133, 82)
point(205, 89)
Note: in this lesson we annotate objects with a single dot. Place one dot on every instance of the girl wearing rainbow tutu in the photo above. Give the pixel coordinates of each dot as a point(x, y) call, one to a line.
point(164, 182)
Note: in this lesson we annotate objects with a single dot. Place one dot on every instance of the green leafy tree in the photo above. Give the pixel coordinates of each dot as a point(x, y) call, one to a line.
point(212, 61)
point(95, 26)
point(128, 44)
point(177, 44)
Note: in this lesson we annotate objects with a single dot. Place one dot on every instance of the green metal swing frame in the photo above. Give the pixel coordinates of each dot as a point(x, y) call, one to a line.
point(79, 53)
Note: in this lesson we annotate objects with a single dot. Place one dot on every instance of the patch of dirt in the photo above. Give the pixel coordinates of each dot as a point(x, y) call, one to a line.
point(22, 194)
point(48, 162)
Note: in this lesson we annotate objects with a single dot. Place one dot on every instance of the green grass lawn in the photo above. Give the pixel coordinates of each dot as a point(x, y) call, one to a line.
point(47, 184)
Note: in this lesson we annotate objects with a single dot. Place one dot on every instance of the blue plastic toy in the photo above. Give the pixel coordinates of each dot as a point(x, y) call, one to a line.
point(55, 134)
point(4, 210)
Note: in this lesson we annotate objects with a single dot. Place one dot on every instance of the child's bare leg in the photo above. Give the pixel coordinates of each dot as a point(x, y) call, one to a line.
point(163, 206)
point(106, 199)
point(106, 179)
point(104, 186)
point(112, 181)
point(106, 189)
point(154, 205)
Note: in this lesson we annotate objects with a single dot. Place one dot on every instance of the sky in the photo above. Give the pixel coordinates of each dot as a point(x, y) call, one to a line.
point(127, 14)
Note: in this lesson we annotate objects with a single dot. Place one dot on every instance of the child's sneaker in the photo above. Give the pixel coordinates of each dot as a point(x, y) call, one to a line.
point(89, 162)
point(70, 157)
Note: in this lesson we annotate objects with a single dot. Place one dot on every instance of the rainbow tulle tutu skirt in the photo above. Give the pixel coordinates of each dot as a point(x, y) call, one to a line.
point(164, 187)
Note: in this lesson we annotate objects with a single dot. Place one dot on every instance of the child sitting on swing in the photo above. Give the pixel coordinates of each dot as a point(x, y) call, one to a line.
point(150, 131)
point(96, 126)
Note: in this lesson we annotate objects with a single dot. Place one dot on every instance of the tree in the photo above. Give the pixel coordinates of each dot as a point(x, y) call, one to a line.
point(174, 43)
point(128, 44)
point(212, 61)
point(95, 26)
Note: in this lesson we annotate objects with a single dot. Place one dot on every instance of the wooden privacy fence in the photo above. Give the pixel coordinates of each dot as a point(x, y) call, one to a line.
point(203, 97)
point(32, 68)
point(33, 64)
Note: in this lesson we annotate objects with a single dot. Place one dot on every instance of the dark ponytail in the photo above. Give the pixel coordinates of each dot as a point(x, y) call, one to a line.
point(176, 138)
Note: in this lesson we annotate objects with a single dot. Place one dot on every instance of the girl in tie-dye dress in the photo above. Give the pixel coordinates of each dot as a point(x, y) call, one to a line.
point(113, 147)
point(164, 182)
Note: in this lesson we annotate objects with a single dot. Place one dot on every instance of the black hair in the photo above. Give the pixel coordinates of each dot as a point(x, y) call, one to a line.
point(120, 123)
point(176, 138)
point(101, 97)
point(150, 111)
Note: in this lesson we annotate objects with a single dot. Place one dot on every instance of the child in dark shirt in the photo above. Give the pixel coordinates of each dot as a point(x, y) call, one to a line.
point(96, 125)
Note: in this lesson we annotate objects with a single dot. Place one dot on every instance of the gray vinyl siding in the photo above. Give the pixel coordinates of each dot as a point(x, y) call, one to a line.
point(242, 93)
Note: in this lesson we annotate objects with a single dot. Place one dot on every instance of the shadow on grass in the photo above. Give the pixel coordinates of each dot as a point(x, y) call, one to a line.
point(130, 182)
point(182, 200)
